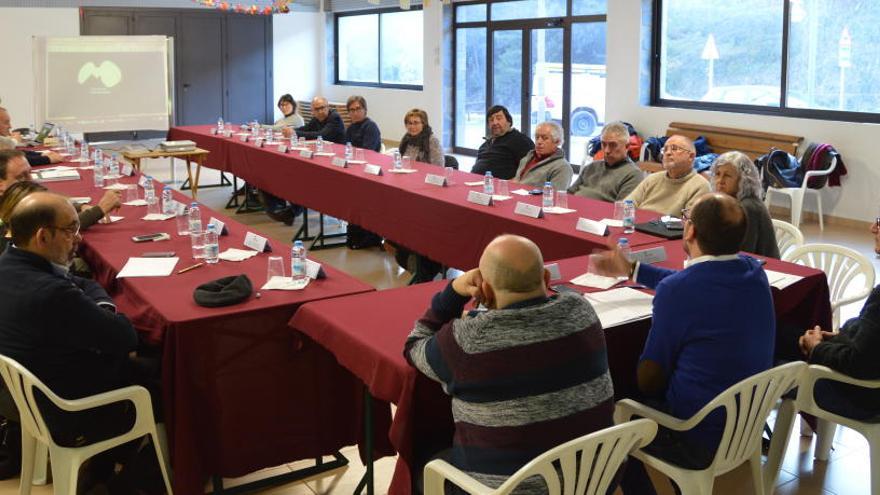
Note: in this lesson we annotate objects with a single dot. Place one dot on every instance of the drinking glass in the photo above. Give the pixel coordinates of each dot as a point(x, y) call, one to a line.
point(561, 199)
point(449, 171)
point(359, 155)
point(503, 188)
point(275, 267)
point(183, 221)
point(197, 241)
point(131, 192)
point(618, 210)
point(407, 162)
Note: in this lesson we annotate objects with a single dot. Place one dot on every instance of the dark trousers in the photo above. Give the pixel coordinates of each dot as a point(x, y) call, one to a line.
point(671, 446)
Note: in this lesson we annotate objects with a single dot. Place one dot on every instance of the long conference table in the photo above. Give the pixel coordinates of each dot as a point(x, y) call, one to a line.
point(240, 391)
point(366, 334)
point(435, 221)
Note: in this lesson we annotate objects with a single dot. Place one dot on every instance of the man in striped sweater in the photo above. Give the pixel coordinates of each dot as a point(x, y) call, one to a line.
point(526, 375)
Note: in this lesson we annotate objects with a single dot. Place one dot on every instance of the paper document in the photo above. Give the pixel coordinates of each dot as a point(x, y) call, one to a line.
point(618, 306)
point(80, 160)
point(596, 281)
point(285, 283)
point(110, 219)
point(325, 153)
point(402, 170)
point(79, 199)
point(116, 187)
point(781, 280)
point(148, 267)
point(56, 174)
point(474, 183)
point(499, 197)
point(357, 162)
point(86, 167)
point(157, 217)
point(233, 254)
point(556, 210)
point(520, 192)
point(136, 202)
point(611, 222)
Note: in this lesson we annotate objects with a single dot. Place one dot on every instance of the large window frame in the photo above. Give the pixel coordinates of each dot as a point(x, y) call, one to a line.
point(781, 111)
point(379, 83)
point(566, 22)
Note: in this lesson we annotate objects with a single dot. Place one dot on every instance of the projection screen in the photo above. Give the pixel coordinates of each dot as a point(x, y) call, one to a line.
point(103, 83)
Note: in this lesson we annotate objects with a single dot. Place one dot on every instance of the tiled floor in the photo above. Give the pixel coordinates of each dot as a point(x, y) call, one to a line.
point(846, 473)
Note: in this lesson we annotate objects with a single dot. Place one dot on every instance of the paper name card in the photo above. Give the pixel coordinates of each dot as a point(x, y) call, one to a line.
point(142, 181)
point(520, 192)
point(313, 270)
point(372, 169)
point(243, 138)
point(591, 226)
point(227, 133)
point(80, 199)
point(479, 198)
point(179, 208)
point(126, 170)
point(213, 131)
point(339, 162)
point(435, 180)
point(258, 142)
point(474, 183)
point(553, 268)
point(528, 210)
point(649, 256)
point(136, 202)
point(156, 217)
point(611, 222)
point(306, 153)
point(282, 148)
point(220, 226)
point(257, 242)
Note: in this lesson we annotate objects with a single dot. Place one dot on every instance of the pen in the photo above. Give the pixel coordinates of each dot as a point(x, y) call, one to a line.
point(190, 268)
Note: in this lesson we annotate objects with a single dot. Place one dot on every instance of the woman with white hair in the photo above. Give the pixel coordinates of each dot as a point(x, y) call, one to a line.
point(547, 161)
point(734, 174)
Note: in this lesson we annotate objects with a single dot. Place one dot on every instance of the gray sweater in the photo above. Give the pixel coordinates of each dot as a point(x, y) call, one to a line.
point(605, 182)
point(760, 235)
point(554, 168)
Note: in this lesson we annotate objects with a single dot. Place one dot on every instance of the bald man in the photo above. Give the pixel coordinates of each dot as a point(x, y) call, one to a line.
point(33, 157)
point(713, 326)
point(676, 187)
point(325, 122)
point(529, 373)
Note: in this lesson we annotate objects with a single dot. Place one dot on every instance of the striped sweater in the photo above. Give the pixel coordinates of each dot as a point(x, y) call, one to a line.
point(522, 379)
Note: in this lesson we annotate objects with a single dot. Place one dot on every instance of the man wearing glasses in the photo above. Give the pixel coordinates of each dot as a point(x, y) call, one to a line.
point(615, 176)
point(63, 328)
point(325, 122)
point(363, 132)
point(676, 187)
point(699, 343)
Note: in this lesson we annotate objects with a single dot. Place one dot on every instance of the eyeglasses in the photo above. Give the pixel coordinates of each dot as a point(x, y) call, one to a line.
point(72, 231)
point(685, 214)
point(610, 144)
point(319, 109)
point(355, 109)
point(670, 148)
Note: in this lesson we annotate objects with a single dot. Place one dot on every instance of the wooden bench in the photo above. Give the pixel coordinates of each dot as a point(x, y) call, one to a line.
point(722, 139)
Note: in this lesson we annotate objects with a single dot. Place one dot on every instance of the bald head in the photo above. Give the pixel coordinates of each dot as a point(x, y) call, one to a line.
point(719, 222)
point(5, 122)
point(512, 263)
point(320, 108)
point(36, 211)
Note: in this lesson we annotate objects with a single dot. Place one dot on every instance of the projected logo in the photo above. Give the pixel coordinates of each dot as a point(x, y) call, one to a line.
point(108, 73)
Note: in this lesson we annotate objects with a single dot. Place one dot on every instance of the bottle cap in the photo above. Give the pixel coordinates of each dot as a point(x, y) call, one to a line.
point(193, 204)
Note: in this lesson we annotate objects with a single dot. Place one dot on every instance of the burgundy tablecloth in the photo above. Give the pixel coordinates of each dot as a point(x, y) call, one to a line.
point(241, 392)
point(435, 221)
point(366, 333)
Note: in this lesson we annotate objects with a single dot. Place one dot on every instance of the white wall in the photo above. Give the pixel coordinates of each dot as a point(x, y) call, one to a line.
point(17, 27)
point(856, 199)
point(296, 41)
point(388, 106)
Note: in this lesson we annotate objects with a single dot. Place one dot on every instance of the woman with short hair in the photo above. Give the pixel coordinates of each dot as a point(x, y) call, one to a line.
point(419, 142)
point(734, 174)
point(290, 118)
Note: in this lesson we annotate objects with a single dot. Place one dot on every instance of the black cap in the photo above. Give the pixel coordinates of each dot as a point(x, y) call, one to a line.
point(223, 292)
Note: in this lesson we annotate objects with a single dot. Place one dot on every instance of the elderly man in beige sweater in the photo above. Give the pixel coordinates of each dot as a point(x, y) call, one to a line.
point(677, 186)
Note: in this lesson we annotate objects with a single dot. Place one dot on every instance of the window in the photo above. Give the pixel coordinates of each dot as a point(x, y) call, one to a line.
point(803, 58)
point(380, 49)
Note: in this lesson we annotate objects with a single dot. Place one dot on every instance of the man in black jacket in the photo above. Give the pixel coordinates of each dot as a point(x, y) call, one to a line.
point(325, 122)
point(503, 150)
point(853, 352)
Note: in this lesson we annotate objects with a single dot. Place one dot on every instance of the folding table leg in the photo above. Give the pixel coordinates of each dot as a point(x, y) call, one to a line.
point(367, 479)
point(281, 479)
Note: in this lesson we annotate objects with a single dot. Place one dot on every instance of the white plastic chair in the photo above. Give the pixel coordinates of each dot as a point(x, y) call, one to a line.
point(842, 266)
point(787, 236)
point(747, 405)
point(67, 460)
point(828, 421)
point(601, 454)
point(796, 194)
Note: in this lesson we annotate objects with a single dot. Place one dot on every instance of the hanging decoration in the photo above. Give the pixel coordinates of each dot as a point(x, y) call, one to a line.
point(261, 7)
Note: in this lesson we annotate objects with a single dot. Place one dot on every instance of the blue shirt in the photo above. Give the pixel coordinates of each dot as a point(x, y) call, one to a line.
point(713, 326)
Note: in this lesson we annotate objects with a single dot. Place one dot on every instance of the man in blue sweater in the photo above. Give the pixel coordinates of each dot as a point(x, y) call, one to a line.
point(701, 342)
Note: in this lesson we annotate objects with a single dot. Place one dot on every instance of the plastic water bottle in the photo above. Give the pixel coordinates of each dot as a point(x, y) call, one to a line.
point(298, 260)
point(623, 246)
point(96, 155)
point(549, 193)
point(293, 137)
point(319, 146)
point(489, 183)
point(113, 169)
point(99, 172)
point(168, 203)
point(195, 218)
point(84, 150)
point(212, 244)
point(349, 151)
point(398, 160)
point(629, 216)
point(220, 125)
point(255, 128)
point(197, 241)
point(149, 190)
